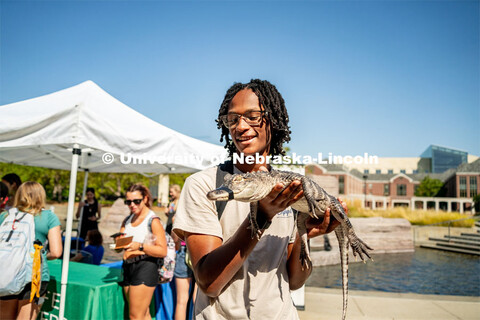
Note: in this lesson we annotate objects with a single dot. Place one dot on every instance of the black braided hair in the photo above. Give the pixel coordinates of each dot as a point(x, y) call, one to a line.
point(272, 101)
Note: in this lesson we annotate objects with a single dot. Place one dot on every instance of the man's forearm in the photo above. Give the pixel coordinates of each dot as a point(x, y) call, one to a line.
point(296, 275)
point(217, 268)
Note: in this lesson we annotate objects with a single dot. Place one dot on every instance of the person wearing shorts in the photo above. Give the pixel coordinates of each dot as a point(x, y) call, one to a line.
point(182, 270)
point(141, 256)
point(30, 198)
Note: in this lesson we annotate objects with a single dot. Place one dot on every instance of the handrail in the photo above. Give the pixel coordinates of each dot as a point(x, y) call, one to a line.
point(442, 222)
point(477, 217)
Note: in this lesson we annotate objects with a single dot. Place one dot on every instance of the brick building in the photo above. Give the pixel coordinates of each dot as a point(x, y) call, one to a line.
point(385, 190)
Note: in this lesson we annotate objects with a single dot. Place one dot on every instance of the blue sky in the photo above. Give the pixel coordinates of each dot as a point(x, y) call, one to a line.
point(384, 77)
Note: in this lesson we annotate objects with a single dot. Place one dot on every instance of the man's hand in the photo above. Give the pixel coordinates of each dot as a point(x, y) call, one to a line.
point(316, 227)
point(279, 199)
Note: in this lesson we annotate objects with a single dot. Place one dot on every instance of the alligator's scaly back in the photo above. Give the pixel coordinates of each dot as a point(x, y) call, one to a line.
point(254, 186)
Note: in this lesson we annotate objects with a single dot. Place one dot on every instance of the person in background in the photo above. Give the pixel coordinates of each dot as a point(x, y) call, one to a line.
point(93, 253)
point(183, 274)
point(30, 198)
point(141, 256)
point(3, 201)
point(3, 196)
point(12, 181)
point(92, 212)
point(174, 193)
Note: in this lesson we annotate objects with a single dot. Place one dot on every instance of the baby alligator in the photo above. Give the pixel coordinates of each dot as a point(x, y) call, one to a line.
point(254, 186)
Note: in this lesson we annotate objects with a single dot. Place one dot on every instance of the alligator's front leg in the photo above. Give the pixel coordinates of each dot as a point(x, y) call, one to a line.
point(302, 231)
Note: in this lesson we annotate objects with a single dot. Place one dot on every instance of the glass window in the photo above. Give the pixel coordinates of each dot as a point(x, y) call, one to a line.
point(463, 187)
point(378, 171)
point(390, 171)
point(403, 171)
point(366, 171)
point(386, 189)
point(473, 187)
point(401, 189)
point(341, 185)
point(444, 159)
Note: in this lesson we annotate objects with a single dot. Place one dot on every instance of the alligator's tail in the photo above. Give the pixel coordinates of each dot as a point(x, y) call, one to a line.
point(343, 244)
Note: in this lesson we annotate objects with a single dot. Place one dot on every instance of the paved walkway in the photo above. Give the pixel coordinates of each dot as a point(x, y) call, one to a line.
point(327, 304)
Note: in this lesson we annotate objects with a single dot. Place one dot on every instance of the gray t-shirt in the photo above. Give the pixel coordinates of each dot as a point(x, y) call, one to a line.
point(260, 289)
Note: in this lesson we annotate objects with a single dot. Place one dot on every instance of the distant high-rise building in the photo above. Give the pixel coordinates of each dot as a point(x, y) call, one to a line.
point(437, 159)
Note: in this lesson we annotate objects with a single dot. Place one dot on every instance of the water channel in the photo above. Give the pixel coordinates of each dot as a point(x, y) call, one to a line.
point(424, 271)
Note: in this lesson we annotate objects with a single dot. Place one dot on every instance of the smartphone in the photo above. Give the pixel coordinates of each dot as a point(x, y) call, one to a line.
point(118, 234)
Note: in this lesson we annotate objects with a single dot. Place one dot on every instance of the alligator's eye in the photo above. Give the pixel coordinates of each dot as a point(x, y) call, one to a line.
point(238, 178)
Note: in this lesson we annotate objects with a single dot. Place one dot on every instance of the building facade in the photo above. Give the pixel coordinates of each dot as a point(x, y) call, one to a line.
point(437, 159)
point(386, 190)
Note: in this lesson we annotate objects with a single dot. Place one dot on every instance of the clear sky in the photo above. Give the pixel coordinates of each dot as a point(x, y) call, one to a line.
point(384, 77)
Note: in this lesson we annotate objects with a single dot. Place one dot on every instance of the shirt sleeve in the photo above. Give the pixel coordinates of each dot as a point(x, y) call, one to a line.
point(53, 220)
point(195, 212)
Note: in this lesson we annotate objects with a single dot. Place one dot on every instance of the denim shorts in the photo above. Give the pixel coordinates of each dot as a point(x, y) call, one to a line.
point(182, 271)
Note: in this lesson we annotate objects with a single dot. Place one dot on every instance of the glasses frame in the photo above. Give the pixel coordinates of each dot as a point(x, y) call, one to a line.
point(135, 201)
point(224, 118)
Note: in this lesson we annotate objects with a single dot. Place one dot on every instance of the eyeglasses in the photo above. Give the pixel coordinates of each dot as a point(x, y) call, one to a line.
point(252, 118)
point(136, 201)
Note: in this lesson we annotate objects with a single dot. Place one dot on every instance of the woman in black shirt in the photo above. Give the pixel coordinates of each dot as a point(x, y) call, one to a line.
point(91, 213)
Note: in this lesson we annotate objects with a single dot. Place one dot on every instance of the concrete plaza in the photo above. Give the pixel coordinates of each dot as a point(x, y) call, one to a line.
point(326, 304)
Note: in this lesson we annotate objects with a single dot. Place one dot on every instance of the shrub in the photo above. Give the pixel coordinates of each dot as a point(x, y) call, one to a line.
point(416, 217)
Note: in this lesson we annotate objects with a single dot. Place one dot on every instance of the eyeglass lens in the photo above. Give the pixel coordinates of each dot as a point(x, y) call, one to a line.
point(251, 118)
point(136, 201)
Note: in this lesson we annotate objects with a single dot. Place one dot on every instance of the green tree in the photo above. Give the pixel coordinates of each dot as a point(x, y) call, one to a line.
point(429, 187)
point(108, 186)
point(476, 201)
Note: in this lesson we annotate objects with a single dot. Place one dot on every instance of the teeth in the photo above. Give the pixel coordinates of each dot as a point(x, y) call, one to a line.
point(244, 138)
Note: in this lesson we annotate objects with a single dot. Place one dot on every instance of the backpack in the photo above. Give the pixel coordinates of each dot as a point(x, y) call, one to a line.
point(17, 235)
point(166, 267)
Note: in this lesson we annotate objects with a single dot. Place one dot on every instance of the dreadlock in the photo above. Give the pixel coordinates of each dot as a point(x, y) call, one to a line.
point(272, 102)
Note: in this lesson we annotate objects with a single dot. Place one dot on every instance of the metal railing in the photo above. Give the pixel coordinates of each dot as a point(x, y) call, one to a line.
point(449, 222)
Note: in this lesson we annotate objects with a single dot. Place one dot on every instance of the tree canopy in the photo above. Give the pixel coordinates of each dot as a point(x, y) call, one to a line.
point(429, 187)
point(108, 186)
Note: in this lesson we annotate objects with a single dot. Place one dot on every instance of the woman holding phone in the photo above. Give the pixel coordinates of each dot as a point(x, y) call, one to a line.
point(141, 256)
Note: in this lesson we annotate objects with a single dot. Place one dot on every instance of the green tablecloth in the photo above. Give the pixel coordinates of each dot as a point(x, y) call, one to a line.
point(93, 292)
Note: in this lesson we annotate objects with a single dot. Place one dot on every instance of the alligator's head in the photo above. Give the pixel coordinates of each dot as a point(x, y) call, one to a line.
point(247, 187)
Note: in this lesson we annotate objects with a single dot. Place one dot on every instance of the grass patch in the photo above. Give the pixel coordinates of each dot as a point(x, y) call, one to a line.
point(416, 217)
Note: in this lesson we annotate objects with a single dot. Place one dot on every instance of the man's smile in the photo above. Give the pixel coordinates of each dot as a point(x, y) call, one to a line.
point(245, 138)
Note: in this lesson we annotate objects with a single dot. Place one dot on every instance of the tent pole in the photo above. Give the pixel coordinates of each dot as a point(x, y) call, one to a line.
point(68, 235)
point(79, 231)
point(163, 189)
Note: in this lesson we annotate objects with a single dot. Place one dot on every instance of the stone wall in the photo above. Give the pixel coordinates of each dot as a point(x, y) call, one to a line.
point(382, 234)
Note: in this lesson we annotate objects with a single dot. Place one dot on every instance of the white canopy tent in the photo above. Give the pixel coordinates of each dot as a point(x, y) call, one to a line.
point(84, 127)
point(42, 131)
